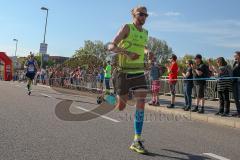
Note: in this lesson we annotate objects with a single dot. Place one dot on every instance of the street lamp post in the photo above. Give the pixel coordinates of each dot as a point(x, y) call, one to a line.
point(15, 57)
point(16, 46)
point(45, 31)
point(46, 9)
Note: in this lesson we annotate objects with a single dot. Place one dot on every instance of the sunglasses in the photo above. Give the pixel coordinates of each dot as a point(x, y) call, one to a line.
point(142, 14)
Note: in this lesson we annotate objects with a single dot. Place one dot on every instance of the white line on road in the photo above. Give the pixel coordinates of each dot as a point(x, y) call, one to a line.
point(105, 117)
point(17, 85)
point(40, 85)
point(216, 156)
point(45, 95)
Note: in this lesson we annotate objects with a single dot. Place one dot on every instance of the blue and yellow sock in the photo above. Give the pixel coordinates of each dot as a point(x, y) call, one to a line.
point(138, 123)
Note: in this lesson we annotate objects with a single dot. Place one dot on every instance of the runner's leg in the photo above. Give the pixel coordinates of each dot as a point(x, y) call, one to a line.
point(121, 102)
point(139, 114)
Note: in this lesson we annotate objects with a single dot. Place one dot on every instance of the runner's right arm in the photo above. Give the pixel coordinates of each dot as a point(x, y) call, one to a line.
point(122, 34)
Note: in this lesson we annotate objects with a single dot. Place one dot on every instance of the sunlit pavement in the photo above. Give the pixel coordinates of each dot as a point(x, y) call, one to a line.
point(30, 129)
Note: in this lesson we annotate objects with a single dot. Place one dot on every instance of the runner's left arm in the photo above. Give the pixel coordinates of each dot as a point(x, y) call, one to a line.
point(36, 65)
point(26, 64)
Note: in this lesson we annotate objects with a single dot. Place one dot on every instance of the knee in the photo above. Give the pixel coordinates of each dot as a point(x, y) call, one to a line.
point(121, 106)
point(141, 106)
point(141, 103)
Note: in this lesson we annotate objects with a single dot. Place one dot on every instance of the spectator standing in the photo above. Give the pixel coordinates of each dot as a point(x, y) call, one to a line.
point(108, 75)
point(155, 74)
point(188, 85)
point(172, 75)
point(224, 86)
point(236, 83)
point(200, 72)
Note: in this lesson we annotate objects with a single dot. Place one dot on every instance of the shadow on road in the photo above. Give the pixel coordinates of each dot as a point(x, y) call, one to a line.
point(188, 155)
point(62, 111)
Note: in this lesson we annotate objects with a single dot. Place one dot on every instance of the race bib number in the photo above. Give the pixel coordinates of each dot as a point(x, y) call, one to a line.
point(31, 68)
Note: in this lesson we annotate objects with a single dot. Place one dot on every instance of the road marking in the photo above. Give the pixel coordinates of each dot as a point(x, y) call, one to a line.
point(40, 85)
point(45, 95)
point(216, 156)
point(17, 85)
point(105, 117)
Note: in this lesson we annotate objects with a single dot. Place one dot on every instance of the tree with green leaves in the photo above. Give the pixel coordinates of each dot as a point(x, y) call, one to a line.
point(160, 49)
point(48, 63)
point(182, 62)
point(95, 48)
point(92, 54)
point(88, 61)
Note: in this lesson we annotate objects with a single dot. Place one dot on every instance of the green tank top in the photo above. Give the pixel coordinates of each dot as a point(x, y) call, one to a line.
point(108, 71)
point(135, 42)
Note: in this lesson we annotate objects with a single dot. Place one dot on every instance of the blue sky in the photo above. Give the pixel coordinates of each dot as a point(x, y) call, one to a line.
point(209, 27)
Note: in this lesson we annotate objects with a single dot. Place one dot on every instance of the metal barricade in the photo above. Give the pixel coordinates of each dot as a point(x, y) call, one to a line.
point(91, 82)
point(88, 82)
point(210, 91)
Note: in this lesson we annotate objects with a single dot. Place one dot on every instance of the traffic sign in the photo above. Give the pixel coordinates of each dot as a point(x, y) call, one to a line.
point(43, 48)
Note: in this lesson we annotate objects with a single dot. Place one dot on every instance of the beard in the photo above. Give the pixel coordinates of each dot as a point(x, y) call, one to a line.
point(140, 21)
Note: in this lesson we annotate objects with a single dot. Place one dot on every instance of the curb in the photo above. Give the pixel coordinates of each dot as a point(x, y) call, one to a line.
point(223, 121)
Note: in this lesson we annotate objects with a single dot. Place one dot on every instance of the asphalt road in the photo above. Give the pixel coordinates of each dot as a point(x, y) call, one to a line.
point(31, 128)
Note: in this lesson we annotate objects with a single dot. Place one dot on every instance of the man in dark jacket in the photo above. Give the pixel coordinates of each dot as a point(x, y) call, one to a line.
point(236, 83)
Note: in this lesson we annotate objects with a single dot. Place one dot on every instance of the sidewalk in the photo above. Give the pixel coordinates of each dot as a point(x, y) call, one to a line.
point(209, 116)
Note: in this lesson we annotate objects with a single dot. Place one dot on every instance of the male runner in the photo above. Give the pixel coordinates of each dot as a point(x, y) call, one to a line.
point(107, 76)
point(101, 77)
point(31, 67)
point(130, 43)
